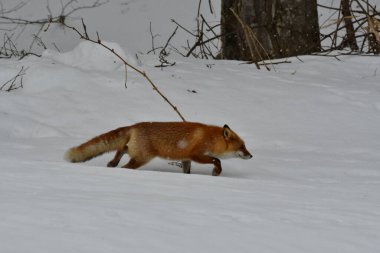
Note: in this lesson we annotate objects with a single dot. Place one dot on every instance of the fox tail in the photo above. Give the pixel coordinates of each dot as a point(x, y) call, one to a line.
point(113, 140)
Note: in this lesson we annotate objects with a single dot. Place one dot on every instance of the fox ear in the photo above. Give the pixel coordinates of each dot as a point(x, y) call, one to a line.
point(226, 132)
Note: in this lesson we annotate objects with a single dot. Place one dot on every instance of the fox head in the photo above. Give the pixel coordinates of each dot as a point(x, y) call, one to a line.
point(235, 145)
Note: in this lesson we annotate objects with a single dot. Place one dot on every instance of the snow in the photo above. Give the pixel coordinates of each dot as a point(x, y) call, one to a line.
point(89, 56)
point(312, 127)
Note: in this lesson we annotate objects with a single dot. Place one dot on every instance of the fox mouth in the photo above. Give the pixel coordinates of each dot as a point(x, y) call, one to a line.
point(243, 156)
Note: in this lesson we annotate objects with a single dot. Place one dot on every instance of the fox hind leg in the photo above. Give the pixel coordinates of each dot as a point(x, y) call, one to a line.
point(119, 154)
point(135, 163)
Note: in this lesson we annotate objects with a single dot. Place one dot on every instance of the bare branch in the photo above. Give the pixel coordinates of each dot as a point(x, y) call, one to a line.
point(97, 3)
point(86, 37)
point(360, 25)
point(13, 9)
point(68, 8)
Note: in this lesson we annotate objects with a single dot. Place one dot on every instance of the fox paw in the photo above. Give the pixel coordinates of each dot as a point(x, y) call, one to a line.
point(186, 167)
point(112, 164)
point(216, 172)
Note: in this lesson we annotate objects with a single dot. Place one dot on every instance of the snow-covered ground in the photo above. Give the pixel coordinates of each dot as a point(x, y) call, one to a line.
point(312, 186)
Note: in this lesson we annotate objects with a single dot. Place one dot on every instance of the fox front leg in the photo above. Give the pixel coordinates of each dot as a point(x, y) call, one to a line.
point(186, 166)
point(217, 167)
point(208, 159)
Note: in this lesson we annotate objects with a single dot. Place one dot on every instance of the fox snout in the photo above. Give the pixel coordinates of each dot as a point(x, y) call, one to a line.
point(244, 153)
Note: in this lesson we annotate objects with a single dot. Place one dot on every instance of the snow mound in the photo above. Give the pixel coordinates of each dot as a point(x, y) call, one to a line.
point(90, 56)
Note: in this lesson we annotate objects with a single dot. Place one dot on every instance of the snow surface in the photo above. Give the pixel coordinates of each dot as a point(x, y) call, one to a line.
point(312, 186)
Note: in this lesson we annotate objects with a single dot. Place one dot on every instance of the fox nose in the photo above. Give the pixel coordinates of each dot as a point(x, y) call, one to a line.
point(247, 156)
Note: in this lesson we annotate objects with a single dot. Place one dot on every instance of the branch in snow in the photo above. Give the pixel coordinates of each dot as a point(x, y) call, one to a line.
point(164, 53)
point(15, 82)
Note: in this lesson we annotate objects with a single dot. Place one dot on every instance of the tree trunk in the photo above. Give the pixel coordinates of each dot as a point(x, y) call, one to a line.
point(281, 28)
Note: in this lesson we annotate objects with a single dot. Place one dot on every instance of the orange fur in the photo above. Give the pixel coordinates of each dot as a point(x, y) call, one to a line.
point(183, 141)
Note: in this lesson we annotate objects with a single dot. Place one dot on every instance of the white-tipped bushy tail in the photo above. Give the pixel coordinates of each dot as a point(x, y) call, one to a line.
point(69, 156)
point(73, 155)
point(113, 140)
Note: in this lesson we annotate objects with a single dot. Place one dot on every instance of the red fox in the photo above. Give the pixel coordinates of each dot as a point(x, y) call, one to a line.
point(182, 141)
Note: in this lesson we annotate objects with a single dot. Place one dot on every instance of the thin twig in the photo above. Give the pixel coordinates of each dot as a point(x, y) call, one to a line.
point(183, 28)
point(164, 53)
point(152, 36)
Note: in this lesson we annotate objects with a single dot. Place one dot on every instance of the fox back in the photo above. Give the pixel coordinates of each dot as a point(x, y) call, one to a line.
point(183, 140)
